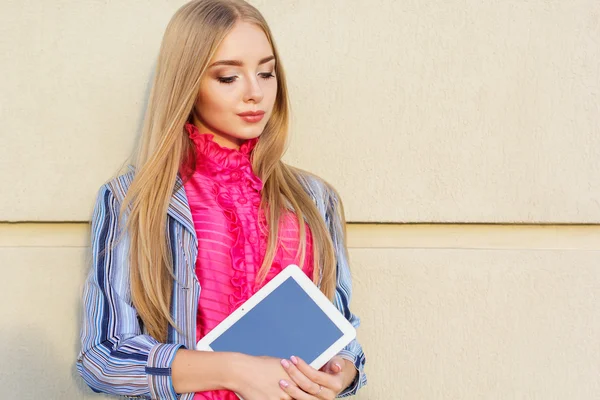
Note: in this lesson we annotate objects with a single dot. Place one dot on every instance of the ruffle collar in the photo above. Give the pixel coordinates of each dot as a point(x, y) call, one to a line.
point(223, 164)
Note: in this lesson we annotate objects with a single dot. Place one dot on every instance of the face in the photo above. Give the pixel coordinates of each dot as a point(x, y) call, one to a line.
point(238, 90)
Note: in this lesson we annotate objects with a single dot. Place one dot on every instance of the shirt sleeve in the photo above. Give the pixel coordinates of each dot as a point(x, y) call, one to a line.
point(116, 358)
point(353, 352)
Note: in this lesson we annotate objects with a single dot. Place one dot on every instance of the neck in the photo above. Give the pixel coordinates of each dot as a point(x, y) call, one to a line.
point(222, 139)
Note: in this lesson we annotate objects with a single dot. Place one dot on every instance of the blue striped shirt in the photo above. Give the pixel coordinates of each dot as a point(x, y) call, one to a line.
point(117, 356)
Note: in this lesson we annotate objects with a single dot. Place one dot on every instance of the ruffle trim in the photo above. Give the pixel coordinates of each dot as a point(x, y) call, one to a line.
point(229, 166)
point(239, 280)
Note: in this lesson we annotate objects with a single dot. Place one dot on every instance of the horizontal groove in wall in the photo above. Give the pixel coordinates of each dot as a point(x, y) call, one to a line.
point(475, 236)
point(45, 234)
point(370, 236)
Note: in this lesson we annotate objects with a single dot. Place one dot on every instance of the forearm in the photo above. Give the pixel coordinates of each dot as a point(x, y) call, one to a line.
point(199, 371)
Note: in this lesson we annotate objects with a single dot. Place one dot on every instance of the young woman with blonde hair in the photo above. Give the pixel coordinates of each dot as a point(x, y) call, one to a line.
point(206, 217)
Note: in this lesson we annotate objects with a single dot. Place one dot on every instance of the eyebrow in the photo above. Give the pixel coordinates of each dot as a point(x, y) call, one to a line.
point(237, 63)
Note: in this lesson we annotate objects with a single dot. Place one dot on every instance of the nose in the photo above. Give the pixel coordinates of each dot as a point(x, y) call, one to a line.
point(253, 91)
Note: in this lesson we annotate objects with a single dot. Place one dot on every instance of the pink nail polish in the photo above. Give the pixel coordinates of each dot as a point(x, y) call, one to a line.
point(283, 383)
point(285, 363)
point(294, 360)
point(338, 365)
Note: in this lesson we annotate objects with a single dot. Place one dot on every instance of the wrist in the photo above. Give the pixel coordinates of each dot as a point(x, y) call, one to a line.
point(200, 371)
point(234, 374)
point(350, 373)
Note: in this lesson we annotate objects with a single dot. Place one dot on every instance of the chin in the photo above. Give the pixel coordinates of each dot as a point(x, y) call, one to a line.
point(250, 132)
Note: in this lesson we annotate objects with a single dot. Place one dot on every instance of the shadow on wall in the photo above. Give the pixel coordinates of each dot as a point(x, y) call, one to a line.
point(38, 370)
point(41, 318)
point(140, 126)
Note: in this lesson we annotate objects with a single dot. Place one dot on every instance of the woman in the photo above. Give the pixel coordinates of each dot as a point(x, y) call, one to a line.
point(207, 216)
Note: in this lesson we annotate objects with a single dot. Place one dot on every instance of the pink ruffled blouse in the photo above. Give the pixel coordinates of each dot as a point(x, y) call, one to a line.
point(224, 197)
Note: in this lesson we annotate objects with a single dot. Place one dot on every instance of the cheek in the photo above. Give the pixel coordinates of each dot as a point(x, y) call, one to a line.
point(215, 98)
point(271, 93)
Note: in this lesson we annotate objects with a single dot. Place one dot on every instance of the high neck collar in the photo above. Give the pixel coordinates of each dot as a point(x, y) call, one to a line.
point(223, 163)
point(206, 146)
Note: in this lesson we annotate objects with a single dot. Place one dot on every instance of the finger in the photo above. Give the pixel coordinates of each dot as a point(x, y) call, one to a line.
point(299, 378)
point(285, 395)
point(328, 381)
point(294, 391)
point(334, 366)
point(321, 378)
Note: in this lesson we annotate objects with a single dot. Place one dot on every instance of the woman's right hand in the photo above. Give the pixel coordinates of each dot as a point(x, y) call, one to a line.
point(257, 378)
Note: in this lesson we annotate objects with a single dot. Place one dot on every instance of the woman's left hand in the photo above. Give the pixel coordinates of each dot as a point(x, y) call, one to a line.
point(313, 384)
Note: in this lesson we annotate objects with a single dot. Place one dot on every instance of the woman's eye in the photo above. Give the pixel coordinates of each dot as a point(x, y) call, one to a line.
point(267, 75)
point(226, 79)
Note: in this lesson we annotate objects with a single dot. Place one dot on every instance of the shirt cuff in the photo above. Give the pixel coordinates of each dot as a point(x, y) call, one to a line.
point(360, 379)
point(158, 369)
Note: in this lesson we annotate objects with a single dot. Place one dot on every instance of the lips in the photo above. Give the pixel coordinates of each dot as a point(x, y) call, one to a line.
point(251, 113)
point(252, 116)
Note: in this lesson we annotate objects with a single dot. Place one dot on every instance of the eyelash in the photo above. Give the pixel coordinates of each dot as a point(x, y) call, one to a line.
point(230, 79)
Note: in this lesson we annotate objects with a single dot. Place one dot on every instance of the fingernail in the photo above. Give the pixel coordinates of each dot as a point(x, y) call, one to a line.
point(338, 365)
point(284, 383)
point(285, 363)
point(294, 360)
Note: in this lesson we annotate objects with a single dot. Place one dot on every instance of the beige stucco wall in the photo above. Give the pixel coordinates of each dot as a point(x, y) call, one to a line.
point(435, 111)
point(442, 111)
point(447, 312)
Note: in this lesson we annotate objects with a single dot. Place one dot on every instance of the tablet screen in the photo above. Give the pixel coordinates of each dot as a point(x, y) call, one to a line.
point(287, 322)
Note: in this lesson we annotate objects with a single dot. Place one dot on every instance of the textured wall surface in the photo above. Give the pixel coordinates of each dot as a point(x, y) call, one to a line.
point(462, 111)
point(453, 318)
point(441, 111)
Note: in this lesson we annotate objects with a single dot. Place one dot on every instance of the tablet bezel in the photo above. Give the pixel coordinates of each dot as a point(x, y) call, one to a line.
point(294, 272)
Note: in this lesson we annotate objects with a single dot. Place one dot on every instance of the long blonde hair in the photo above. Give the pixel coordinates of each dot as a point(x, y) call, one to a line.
point(190, 41)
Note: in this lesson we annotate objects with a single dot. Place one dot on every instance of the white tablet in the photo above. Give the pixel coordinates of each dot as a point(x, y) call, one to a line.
point(288, 316)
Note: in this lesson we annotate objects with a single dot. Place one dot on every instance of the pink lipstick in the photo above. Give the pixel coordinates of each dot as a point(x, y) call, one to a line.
point(252, 116)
